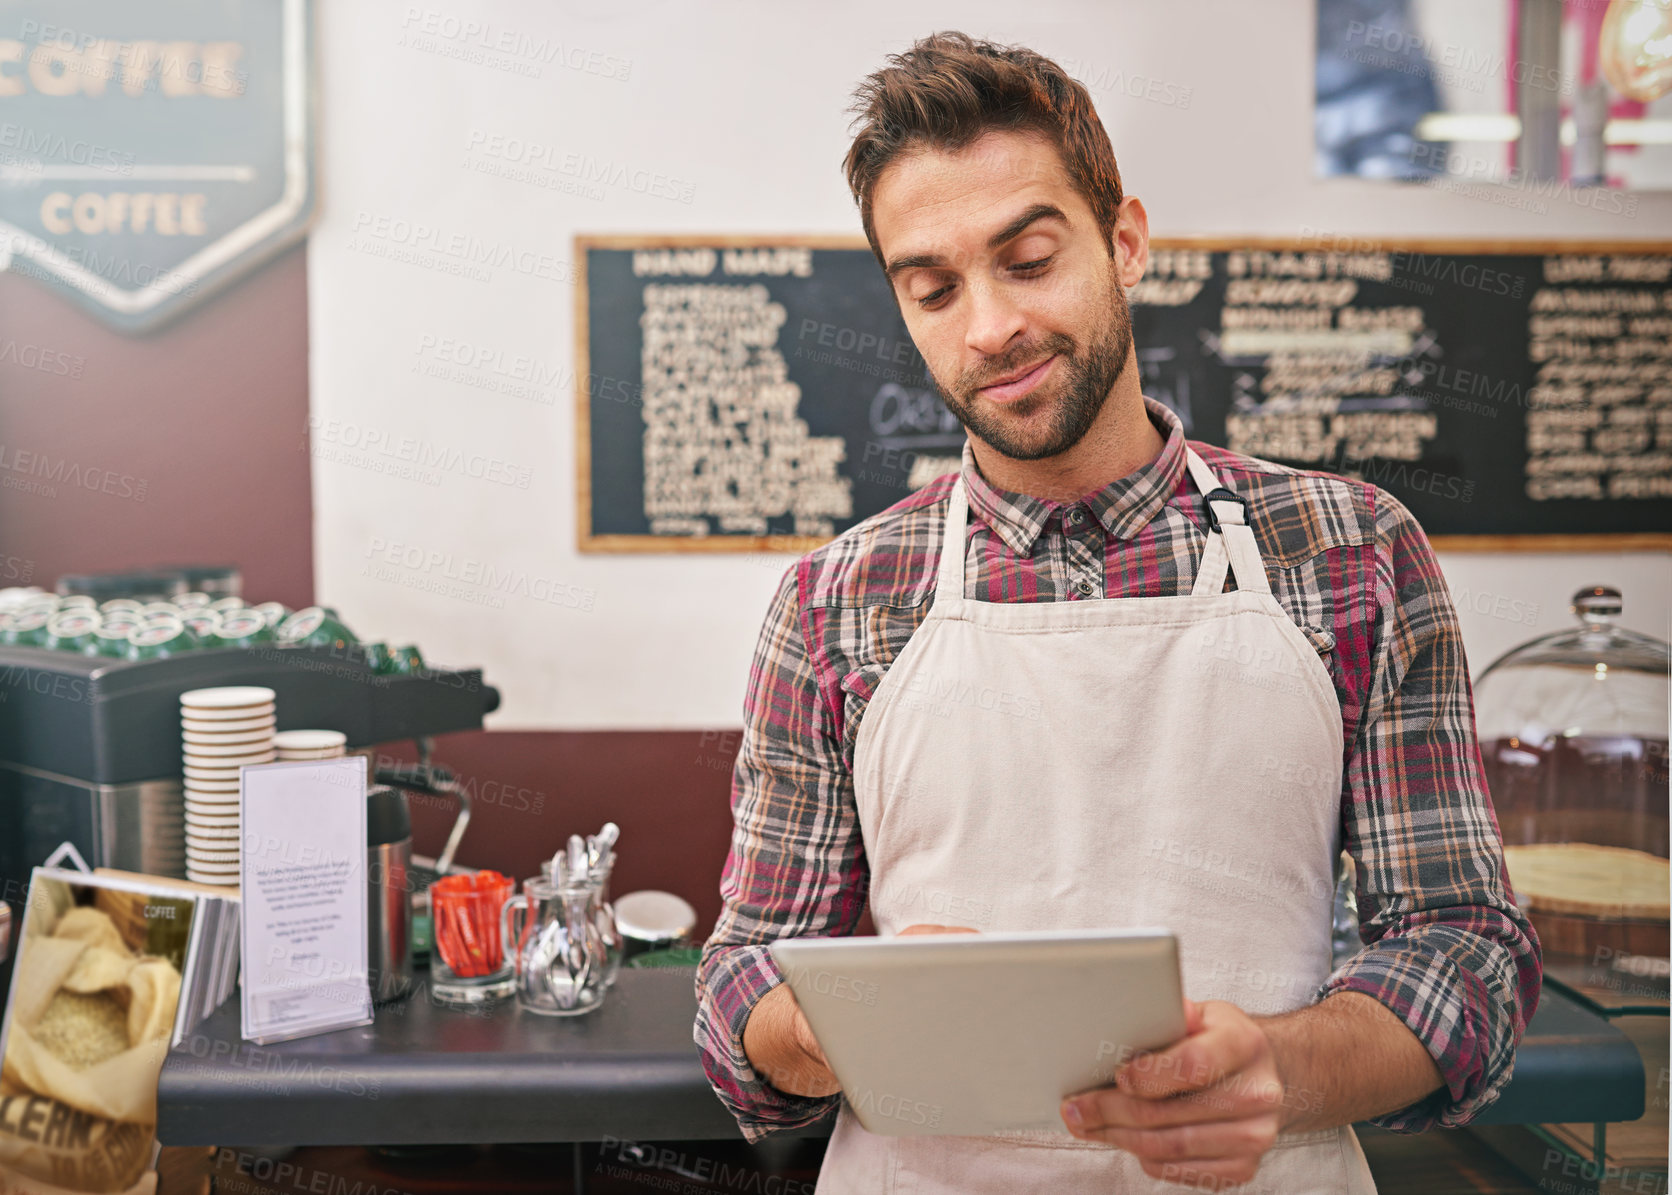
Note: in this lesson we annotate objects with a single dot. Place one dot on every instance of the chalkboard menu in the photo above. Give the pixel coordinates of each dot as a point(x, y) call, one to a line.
point(742, 394)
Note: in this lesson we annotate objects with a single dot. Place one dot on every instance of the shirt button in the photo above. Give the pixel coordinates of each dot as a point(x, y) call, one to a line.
point(1084, 587)
point(1076, 516)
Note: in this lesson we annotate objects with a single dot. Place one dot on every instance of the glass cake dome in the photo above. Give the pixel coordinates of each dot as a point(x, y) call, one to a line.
point(1573, 733)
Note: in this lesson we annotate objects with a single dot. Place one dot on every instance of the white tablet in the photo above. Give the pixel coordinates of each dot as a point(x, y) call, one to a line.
point(969, 1034)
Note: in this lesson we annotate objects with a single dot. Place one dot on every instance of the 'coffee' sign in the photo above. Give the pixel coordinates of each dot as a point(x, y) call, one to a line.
point(150, 153)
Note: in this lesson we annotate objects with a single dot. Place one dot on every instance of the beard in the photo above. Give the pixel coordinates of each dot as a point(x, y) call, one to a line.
point(1086, 377)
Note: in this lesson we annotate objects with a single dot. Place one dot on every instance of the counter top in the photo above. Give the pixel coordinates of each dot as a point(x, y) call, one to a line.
point(423, 1073)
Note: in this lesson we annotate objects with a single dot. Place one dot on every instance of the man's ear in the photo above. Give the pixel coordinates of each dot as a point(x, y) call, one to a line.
point(1131, 237)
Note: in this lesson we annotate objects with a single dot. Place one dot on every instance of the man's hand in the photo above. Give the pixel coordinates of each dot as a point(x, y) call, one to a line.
point(781, 1046)
point(1205, 1109)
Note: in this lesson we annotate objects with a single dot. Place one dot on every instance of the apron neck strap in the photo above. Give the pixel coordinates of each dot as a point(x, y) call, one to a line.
point(1230, 541)
point(949, 576)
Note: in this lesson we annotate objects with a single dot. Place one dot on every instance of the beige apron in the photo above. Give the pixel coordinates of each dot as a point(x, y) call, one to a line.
point(1170, 761)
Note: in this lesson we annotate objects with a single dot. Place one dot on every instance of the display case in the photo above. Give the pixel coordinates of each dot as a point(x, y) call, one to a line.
point(1573, 735)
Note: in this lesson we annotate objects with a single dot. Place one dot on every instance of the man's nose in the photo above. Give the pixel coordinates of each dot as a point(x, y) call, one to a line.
point(995, 319)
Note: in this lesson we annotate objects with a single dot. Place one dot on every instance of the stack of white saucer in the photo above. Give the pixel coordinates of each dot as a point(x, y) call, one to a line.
point(310, 744)
point(224, 729)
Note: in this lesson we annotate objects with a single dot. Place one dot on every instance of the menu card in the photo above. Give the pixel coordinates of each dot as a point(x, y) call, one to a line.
point(303, 881)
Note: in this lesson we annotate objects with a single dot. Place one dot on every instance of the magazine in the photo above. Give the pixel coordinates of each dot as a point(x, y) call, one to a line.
point(112, 969)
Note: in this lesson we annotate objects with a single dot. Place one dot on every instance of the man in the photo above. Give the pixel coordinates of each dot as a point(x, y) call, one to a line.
point(1199, 703)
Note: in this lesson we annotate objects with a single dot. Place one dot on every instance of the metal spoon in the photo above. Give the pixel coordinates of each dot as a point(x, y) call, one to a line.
point(602, 844)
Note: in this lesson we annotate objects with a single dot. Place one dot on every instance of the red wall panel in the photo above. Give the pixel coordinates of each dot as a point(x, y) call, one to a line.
point(187, 445)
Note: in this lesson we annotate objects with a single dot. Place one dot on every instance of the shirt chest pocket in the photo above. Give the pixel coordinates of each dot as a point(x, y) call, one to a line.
point(887, 629)
point(1323, 642)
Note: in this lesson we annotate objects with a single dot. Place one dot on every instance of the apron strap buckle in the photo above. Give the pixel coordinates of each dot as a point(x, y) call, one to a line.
point(1240, 519)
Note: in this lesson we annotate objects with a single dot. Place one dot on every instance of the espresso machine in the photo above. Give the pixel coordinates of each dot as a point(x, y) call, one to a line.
point(90, 750)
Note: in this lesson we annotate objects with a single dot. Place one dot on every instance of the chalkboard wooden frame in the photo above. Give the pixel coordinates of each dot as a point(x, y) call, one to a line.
point(586, 541)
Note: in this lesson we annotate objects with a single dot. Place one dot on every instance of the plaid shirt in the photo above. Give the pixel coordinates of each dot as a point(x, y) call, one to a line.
point(1445, 947)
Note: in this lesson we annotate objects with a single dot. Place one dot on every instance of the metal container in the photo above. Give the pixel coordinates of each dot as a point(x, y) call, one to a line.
point(651, 920)
point(389, 894)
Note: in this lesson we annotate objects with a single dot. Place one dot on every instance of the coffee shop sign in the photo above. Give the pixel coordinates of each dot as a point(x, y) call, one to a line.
point(152, 153)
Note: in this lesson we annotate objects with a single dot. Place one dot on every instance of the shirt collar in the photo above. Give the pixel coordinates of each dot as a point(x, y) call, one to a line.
point(1124, 506)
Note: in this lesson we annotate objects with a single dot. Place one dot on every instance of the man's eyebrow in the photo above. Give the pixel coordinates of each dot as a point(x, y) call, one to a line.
point(1039, 211)
point(912, 262)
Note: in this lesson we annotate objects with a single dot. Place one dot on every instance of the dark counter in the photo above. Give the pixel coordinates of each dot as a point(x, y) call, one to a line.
point(427, 1074)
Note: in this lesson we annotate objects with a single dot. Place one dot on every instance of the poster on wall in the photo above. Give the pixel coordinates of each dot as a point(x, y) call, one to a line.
point(150, 154)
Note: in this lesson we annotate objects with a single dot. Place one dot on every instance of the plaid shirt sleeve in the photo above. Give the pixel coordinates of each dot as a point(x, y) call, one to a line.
point(1446, 949)
point(796, 867)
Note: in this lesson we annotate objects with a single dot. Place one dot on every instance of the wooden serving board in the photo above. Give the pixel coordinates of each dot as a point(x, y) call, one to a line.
point(1585, 899)
point(1581, 879)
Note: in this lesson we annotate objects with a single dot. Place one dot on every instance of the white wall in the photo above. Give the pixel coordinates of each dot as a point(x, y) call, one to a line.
point(745, 103)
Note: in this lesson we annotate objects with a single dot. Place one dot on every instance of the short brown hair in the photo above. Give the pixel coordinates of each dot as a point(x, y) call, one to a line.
point(950, 88)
